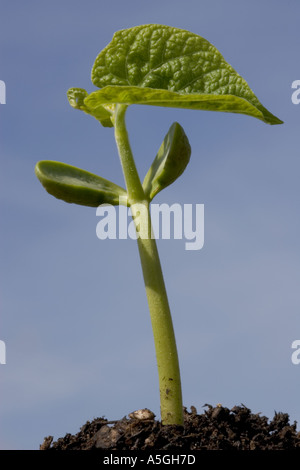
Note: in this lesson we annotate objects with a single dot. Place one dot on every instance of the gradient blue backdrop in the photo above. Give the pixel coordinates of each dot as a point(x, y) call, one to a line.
point(74, 315)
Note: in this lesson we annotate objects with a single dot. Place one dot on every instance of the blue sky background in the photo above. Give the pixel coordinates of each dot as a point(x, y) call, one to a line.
point(74, 315)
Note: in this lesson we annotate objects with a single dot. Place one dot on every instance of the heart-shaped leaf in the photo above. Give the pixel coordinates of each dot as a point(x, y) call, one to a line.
point(77, 186)
point(169, 163)
point(165, 66)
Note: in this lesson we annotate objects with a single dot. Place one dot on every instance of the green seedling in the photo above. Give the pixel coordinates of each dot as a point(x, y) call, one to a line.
point(152, 65)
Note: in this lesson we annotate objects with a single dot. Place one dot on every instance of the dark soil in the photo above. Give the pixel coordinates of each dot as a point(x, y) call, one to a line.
point(217, 428)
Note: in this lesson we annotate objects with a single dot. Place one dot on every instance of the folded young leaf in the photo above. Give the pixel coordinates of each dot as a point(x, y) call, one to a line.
point(184, 69)
point(76, 98)
point(77, 186)
point(169, 163)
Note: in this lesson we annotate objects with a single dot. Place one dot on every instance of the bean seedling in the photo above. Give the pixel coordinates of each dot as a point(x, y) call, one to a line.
point(153, 65)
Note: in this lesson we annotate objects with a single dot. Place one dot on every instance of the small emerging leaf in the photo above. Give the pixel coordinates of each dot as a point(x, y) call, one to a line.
point(76, 98)
point(77, 186)
point(169, 163)
point(165, 66)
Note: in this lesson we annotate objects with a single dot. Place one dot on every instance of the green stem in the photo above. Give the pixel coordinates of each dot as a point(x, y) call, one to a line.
point(134, 187)
point(162, 326)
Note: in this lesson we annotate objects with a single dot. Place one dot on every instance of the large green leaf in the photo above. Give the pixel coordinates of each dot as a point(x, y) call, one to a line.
point(165, 66)
point(77, 186)
point(169, 163)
